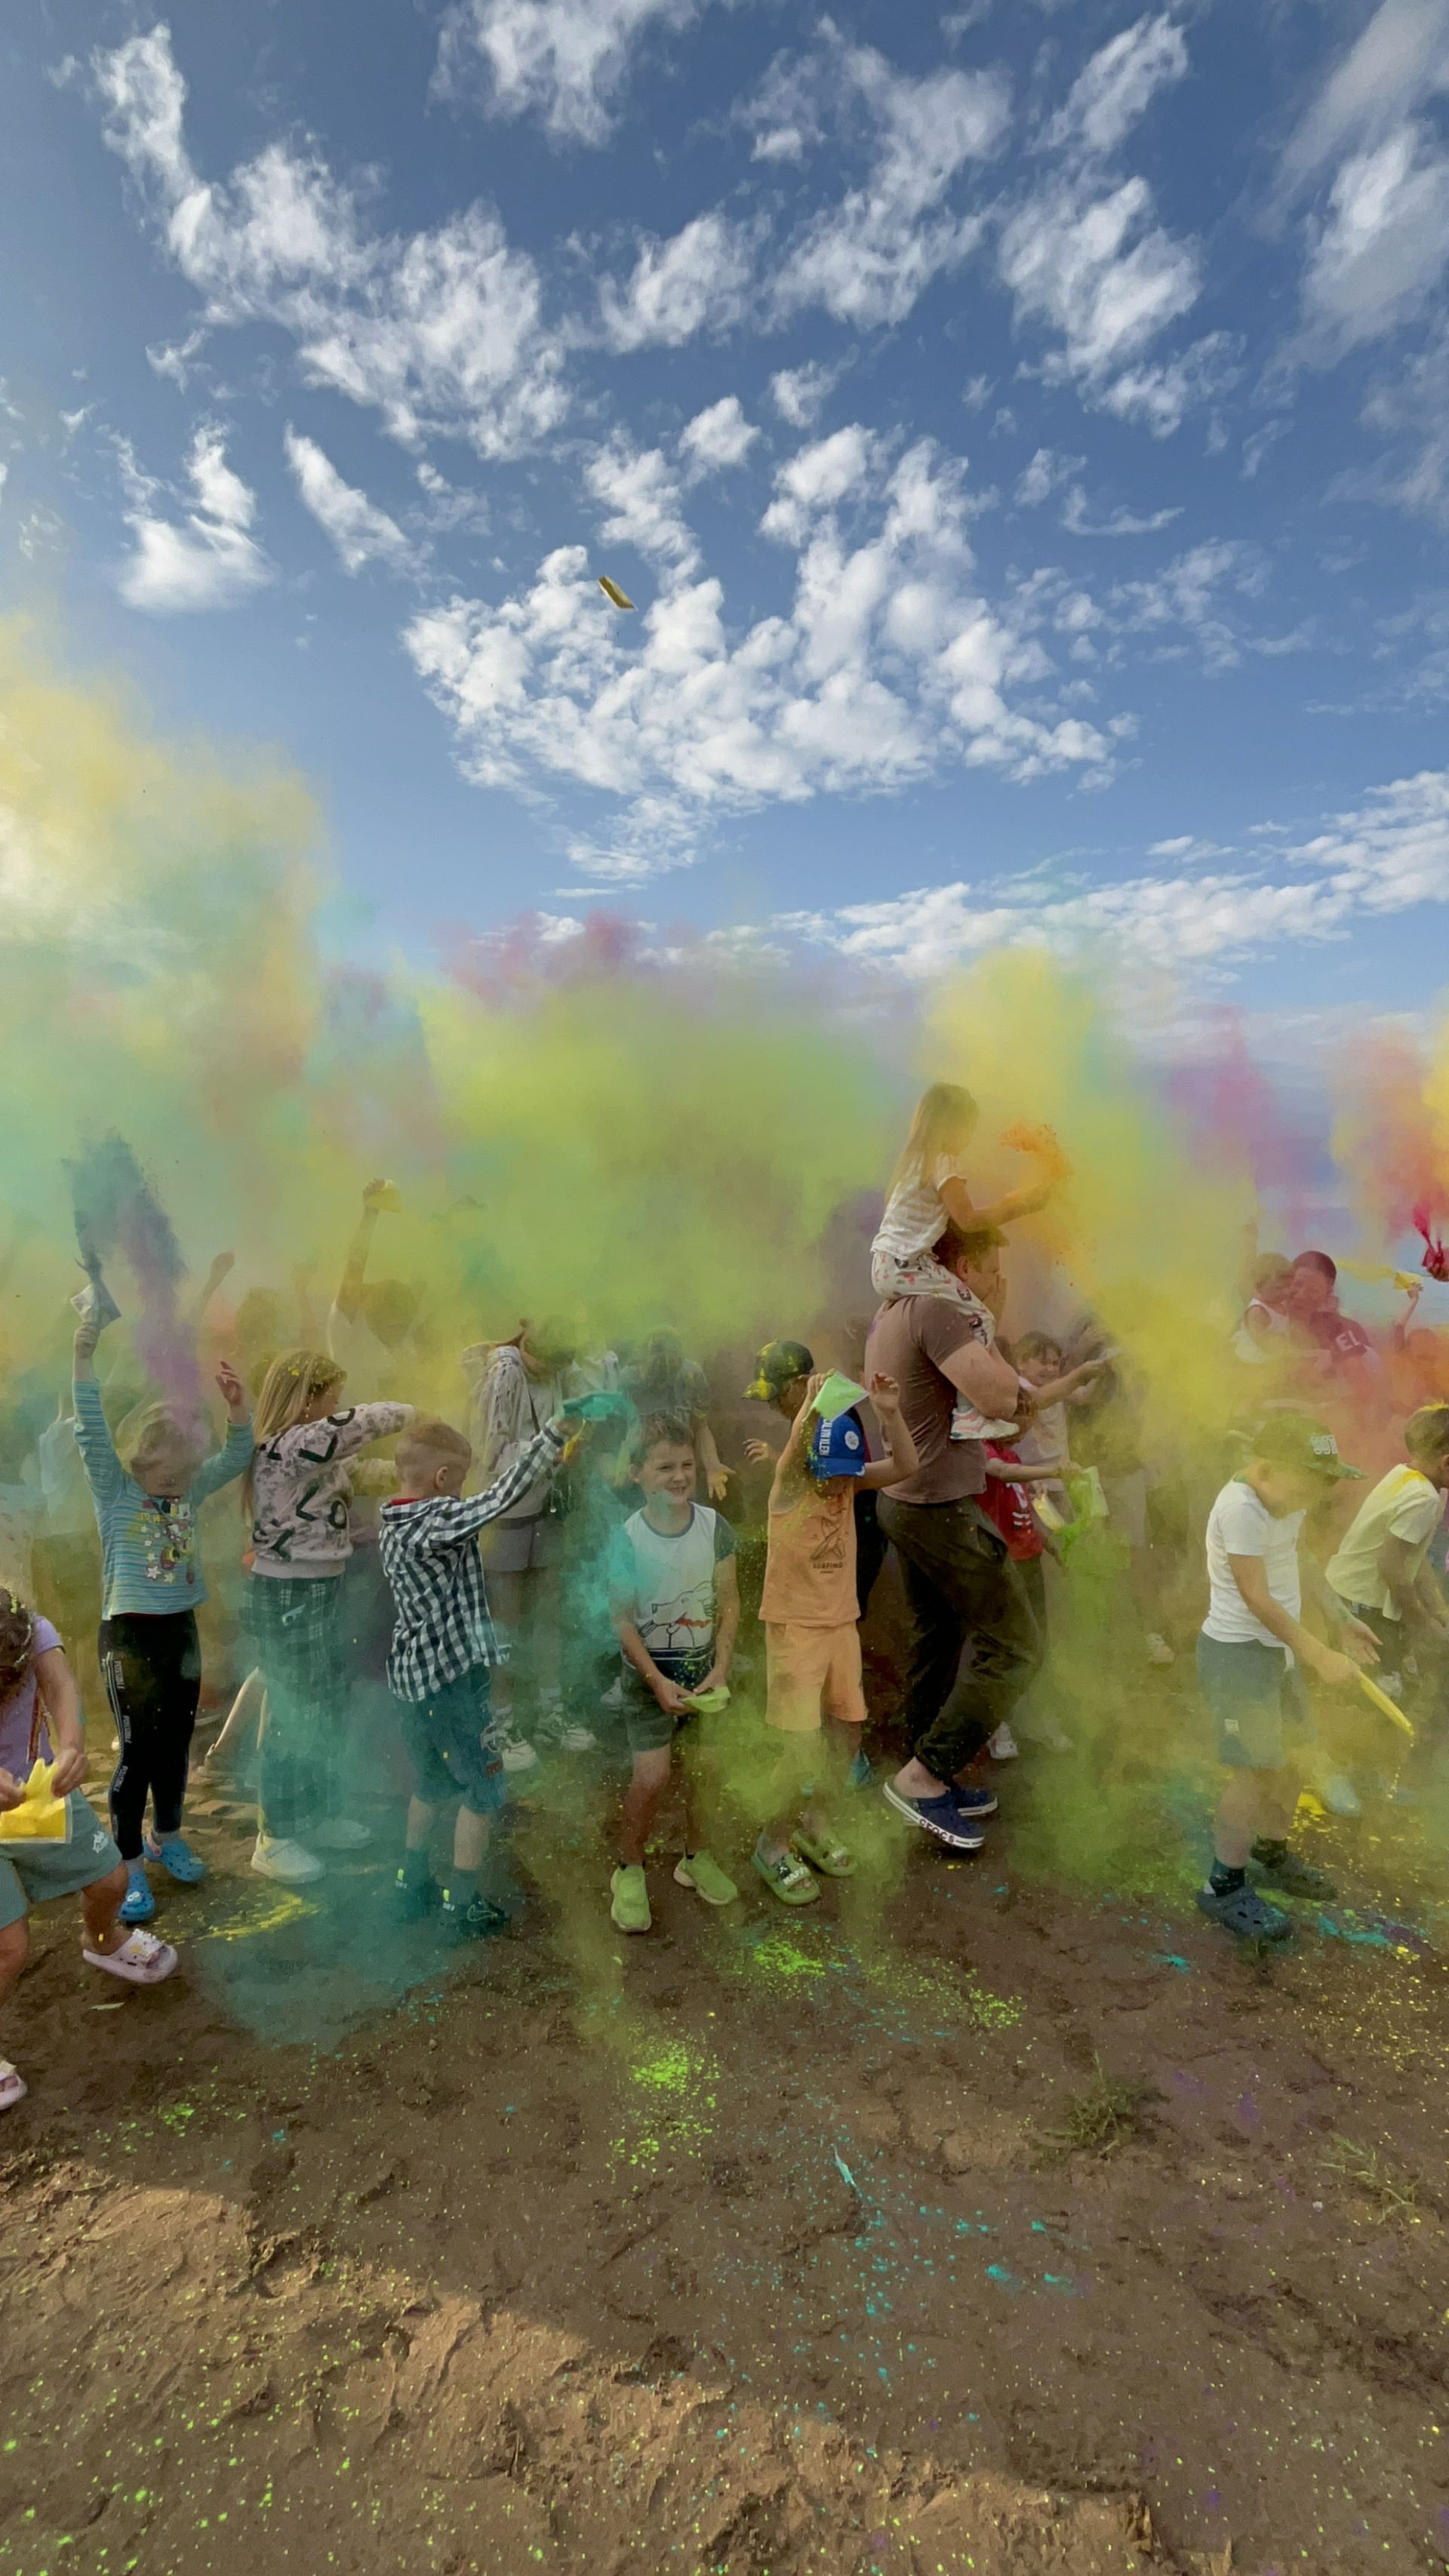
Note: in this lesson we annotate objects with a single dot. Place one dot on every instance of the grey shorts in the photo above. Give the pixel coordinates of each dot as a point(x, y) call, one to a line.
point(1264, 1720)
point(524, 1547)
point(31, 1874)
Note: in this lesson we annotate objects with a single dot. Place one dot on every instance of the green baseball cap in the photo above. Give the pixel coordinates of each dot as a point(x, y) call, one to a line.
point(778, 1365)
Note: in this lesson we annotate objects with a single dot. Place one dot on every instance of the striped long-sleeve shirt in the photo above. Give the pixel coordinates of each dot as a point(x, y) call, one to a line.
point(149, 1554)
point(430, 1556)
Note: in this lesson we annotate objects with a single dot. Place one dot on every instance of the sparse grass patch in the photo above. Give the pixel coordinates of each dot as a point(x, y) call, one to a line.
point(1391, 2193)
point(1096, 2122)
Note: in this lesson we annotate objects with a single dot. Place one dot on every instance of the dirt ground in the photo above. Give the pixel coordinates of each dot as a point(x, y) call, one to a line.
point(748, 2253)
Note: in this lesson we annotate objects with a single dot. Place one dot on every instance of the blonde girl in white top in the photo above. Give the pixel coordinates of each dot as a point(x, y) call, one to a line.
point(928, 1190)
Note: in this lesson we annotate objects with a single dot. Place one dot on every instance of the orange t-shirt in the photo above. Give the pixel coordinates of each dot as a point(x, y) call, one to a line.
point(810, 1566)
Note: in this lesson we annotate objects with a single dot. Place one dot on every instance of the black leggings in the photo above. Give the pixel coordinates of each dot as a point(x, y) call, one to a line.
point(152, 1671)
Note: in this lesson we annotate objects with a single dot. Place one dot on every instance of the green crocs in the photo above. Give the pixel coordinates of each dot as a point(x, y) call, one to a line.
point(787, 1878)
point(707, 1879)
point(823, 1853)
point(630, 1893)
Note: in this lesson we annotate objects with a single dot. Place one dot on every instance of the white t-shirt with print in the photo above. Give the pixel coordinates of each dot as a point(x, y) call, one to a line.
point(1402, 1505)
point(1239, 1524)
point(915, 1217)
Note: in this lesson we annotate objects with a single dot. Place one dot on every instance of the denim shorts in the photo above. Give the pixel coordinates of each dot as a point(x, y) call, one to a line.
point(1257, 1697)
point(450, 1740)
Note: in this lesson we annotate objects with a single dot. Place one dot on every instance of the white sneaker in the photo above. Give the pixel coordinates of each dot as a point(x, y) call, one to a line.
point(276, 1858)
point(1339, 1794)
point(515, 1752)
point(555, 1728)
point(1003, 1746)
point(340, 1834)
point(1159, 1651)
point(1054, 1737)
point(968, 1424)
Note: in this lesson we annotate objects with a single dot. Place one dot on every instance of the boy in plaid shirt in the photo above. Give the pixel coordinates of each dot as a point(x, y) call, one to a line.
point(444, 1647)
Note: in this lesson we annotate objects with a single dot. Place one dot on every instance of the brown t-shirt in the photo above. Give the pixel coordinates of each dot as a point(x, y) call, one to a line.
point(907, 1341)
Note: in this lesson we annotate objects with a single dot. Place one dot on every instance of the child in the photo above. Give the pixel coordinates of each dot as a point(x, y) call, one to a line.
point(1046, 1441)
point(783, 1371)
point(40, 1721)
point(676, 1606)
point(1248, 1655)
point(1262, 1329)
point(1381, 1571)
point(927, 1189)
point(1006, 1502)
point(443, 1653)
point(298, 1496)
point(151, 1588)
point(810, 1614)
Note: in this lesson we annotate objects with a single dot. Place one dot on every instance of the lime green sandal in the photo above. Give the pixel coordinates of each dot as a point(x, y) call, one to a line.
point(829, 1857)
point(787, 1878)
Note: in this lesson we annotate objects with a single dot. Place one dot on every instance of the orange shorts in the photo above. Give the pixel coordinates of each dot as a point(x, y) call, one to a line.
point(809, 1671)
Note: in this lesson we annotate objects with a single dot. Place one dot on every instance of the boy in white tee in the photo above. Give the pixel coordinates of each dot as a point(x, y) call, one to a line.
point(1249, 1655)
point(1382, 1570)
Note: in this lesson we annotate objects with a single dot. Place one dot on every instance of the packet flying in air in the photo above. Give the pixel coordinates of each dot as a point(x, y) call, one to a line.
point(612, 591)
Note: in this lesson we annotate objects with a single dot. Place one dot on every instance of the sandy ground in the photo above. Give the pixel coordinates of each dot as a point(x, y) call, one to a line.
point(746, 2248)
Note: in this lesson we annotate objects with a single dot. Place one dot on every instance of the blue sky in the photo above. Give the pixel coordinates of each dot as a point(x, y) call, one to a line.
point(1020, 428)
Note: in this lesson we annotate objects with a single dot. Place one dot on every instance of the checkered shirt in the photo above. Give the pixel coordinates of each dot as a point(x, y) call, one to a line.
point(431, 1561)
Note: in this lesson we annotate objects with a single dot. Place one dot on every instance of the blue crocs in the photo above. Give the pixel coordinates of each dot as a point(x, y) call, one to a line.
point(176, 1856)
point(138, 1904)
point(975, 1802)
point(941, 1818)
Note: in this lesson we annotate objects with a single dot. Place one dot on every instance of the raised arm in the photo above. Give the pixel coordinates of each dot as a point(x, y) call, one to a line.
point(104, 1473)
point(904, 1459)
point(957, 1202)
point(221, 1268)
point(234, 1456)
point(469, 1513)
point(376, 1196)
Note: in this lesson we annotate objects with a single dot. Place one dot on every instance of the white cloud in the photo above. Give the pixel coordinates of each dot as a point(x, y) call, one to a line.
point(695, 282)
point(889, 665)
point(1194, 592)
point(1078, 522)
point(360, 532)
point(209, 559)
point(1099, 271)
point(1387, 856)
point(1412, 409)
point(718, 438)
point(1118, 86)
point(440, 330)
point(1401, 57)
point(800, 393)
point(1376, 248)
point(1383, 245)
point(642, 497)
point(1085, 256)
point(564, 61)
point(867, 258)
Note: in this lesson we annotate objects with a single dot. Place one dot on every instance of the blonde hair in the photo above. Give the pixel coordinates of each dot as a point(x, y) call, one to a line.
point(136, 1429)
point(293, 1382)
point(944, 1115)
point(430, 1444)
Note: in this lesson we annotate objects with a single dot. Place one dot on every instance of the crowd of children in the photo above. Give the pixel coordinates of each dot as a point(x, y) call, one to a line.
point(603, 1611)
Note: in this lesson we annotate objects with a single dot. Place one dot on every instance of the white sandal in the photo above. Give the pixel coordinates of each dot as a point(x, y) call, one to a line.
point(13, 2087)
point(141, 1959)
